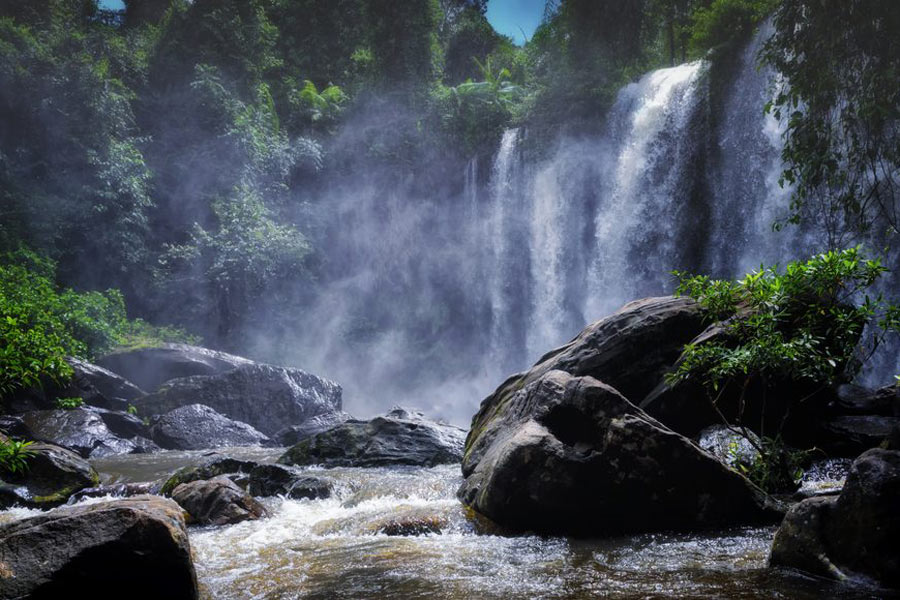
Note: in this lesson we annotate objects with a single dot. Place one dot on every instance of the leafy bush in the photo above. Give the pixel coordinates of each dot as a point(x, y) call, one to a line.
point(14, 456)
point(726, 20)
point(69, 403)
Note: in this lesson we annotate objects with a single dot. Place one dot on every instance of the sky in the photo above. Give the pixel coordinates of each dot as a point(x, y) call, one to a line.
point(512, 17)
point(509, 17)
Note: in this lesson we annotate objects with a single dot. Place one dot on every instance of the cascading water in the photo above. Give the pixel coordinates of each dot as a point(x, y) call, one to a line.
point(435, 293)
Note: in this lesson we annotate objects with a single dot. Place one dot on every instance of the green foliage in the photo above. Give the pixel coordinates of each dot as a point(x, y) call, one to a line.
point(14, 456)
point(804, 323)
point(841, 111)
point(724, 21)
point(69, 403)
point(132, 410)
point(775, 468)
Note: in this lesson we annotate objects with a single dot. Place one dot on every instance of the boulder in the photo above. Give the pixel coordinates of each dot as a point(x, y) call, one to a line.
point(401, 437)
point(136, 548)
point(151, 367)
point(123, 424)
point(108, 384)
point(212, 467)
point(292, 435)
point(15, 427)
point(217, 501)
point(630, 350)
point(571, 455)
point(53, 475)
point(853, 535)
point(266, 397)
point(853, 434)
point(80, 429)
point(729, 446)
point(853, 399)
point(277, 480)
point(196, 427)
point(116, 490)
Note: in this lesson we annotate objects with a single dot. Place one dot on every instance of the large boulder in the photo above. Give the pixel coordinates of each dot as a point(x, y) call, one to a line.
point(630, 350)
point(572, 455)
point(211, 467)
point(79, 429)
point(268, 398)
point(852, 435)
point(151, 367)
point(53, 475)
point(197, 427)
point(217, 501)
point(401, 437)
point(295, 433)
point(134, 548)
point(853, 535)
point(104, 381)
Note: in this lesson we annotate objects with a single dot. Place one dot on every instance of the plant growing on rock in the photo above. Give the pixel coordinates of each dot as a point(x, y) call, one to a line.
point(69, 403)
point(797, 330)
point(14, 455)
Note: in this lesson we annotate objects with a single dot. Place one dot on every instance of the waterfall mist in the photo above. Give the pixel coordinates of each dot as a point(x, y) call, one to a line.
point(435, 289)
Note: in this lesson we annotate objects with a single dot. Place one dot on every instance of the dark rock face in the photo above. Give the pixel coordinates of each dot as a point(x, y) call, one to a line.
point(212, 467)
point(629, 350)
point(571, 455)
point(136, 548)
point(294, 434)
point(123, 424)
point(266, 397)
point(852, 535)
point(151, 367)
point(15, 427)
point(103, 380)
point(854, 434)
point(196, 427)
point(217, 501)
point(79, 429)
point(400, 437)
point(276, 480)
point(53, 475)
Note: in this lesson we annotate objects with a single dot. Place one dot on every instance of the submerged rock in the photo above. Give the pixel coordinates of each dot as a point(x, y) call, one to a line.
point(197, 427)
point(151, 367)
point(135, 548)
point(401, 437)
point(852, 535)
point(571, 455)
point(277, 480)
point(217, 501)
point(81, 430)
point(268, 398)
point(53, 475)
point(294, 434)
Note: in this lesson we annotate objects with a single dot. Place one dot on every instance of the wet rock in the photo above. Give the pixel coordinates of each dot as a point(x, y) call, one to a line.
point(294, 434)
point(571, 455)
point(196, 427)
point(852, 535)
point(276, 480)
point(53, 475)
point(853, 399)
point(217, 501)
point(151, 367)
point(136, 548)
point(412, 525)
point(123, 424)
point(81, 430)
point(401, 437)
point(852, 435)
point(118, 490)
point(268, 398)
point(729, 446)
point(15, 427)
point(212, 467)
point(104, 381)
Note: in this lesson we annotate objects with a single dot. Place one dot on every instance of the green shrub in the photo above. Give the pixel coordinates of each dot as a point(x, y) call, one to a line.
point(69, 403)
point(14, 456)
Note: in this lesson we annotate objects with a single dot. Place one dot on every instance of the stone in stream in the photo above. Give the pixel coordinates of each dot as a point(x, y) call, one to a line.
point(80, 429)
point(295, 433)
point(149, 368)
point(853, 535)
point(198, 427)
point(267, 397)
point(217, 501)
point(131, 548)
point(53, 475)
point(571, 455)
point(213, 466)
point(278, 480)
point(400, 437)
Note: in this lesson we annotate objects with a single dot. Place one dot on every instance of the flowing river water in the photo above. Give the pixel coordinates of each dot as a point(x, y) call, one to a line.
point(337, 548)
